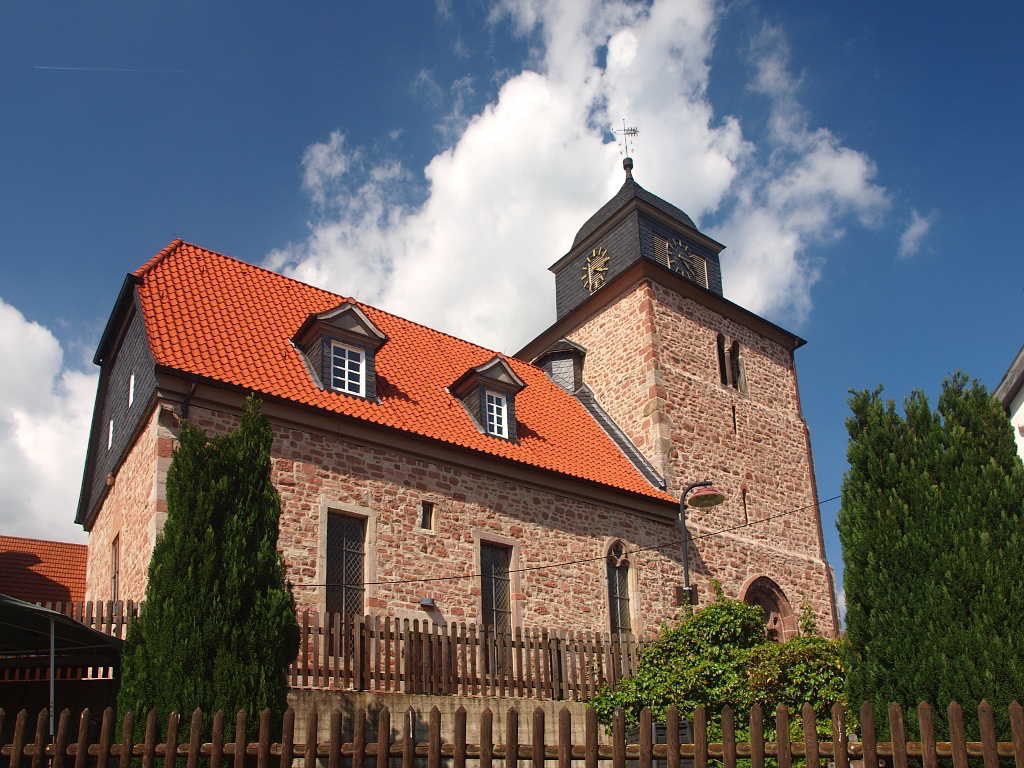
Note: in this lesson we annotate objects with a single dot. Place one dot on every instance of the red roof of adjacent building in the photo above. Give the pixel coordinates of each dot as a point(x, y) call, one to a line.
point(38, 571)
point(223, 319)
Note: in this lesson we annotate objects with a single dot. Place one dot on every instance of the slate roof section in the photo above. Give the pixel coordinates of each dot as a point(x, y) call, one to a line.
point(222, 319)
point(627, 192)
point(38, 570)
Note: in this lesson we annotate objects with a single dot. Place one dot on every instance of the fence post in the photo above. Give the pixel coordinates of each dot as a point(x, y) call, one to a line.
point(1017, 727)
point(171, 747)
point(486, 738)
point(700, 738)
point(988, 735)
point(539, 749)
point(241, 739)
point(564, 738)
point(785, 755)
point(18, 738)
point(310, 748)
point(82, 745)
point(757, 737)
point(646, 734)
point(512, 738)
point(42, 723)
point(672, 737)
point(358, 660)
point(729, 738)
point(459, 756)
point(60, 744)
point(287, 736)
point(383, 737)
point(926, 725)
point(956, 735)
point(867, 735)
point(216, 740)
point(899, 736)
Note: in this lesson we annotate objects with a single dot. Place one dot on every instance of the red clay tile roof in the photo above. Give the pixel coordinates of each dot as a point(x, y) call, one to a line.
point(224, 319)
point(37, 571)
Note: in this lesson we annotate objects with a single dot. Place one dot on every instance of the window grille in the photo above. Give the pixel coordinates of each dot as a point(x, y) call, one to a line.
point(618, 588)
point(495, 586)
point(346, 537)
point(497, 414)
point(348, 369)
point(661, 251)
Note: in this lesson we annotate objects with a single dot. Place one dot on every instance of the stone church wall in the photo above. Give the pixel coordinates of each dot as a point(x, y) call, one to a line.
point(315, 472)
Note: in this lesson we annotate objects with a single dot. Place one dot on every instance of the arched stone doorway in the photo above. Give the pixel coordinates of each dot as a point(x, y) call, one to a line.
point(779, 621)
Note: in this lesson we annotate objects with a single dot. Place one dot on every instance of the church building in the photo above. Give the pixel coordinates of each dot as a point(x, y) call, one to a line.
point(543, 487)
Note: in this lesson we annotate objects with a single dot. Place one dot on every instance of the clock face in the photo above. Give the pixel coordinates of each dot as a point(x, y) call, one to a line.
point(595, 269)
point(679, 256)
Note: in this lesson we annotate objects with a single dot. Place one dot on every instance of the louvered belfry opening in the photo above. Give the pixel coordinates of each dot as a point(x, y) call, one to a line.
point(618, 588)
point(346, 537)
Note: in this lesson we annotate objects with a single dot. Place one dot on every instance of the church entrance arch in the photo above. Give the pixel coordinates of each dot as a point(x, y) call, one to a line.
point(779, 621)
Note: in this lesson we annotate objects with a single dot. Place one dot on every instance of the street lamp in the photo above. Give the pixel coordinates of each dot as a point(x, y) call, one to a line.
point(704, 496)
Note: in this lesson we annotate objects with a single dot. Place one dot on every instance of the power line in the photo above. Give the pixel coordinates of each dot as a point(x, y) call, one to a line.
point(583, 560)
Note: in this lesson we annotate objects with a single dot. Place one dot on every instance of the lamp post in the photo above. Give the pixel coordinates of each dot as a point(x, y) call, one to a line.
point(705, 496)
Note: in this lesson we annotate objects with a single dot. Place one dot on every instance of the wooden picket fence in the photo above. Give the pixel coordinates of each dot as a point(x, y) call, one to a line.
point(386, 654)
point(33, 750)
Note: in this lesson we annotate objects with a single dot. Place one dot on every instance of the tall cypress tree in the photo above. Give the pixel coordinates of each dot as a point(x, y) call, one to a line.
point(218, 627)
point(933, 546)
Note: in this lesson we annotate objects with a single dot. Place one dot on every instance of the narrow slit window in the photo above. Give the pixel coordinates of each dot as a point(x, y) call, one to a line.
point(618, 588)
point(131, 390)
point(110, 434)
point(723, 373)
point(427, 515)
point(346, 537)
point(497, 414)
point(348, 369)
point(115, 566)
point(495, 586)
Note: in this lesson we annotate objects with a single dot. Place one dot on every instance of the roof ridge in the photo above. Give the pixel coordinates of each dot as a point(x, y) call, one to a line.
point(44, 541)
point(177, 243)
point(160, 255)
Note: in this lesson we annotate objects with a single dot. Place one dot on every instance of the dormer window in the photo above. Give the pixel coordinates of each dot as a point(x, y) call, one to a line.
point(348, 369)
point(488, 393)
point(497, 414)
point(340, 348)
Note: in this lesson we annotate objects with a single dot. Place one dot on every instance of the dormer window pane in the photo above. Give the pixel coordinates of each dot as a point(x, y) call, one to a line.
point(348, 369)
point(497, 414)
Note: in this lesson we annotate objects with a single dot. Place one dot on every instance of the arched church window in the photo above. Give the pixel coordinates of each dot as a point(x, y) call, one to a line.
point(778, 615)
point(618, 587)
point(722, 370)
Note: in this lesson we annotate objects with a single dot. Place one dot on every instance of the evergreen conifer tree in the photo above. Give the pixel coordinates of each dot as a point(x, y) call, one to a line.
point(933, 546)
point(218, 627)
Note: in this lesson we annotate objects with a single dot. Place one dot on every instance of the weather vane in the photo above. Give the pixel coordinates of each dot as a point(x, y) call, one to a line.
point(624, 134)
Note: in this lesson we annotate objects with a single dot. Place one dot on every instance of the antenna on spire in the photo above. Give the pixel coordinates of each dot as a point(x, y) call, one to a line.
point(626, 137)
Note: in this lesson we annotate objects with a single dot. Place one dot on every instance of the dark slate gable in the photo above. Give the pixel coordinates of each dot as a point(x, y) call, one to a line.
point(124, 350)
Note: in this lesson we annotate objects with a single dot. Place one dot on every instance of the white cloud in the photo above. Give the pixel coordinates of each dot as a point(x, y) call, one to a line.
point(914, 234)
point(518, 177)
point(45, 410)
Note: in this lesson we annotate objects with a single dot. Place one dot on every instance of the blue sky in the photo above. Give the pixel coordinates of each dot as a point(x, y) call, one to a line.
point(861, 163)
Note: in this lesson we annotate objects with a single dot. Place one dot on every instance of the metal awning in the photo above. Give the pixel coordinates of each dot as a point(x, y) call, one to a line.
point(25, 637)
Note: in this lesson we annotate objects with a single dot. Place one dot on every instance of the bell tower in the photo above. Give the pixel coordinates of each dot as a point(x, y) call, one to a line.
point(697, 387)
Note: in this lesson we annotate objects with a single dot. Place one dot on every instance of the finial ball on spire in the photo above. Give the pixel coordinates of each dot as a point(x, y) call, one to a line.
point(627, 166)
